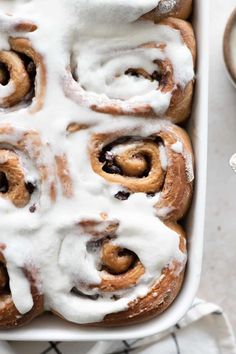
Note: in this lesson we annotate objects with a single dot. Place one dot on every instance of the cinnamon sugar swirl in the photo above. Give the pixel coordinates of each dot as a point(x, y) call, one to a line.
point(136, 73)
point(22, 70)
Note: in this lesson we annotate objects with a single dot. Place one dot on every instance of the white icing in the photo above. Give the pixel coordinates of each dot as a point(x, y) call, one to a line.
point(121, 148)
point(75, 259)
point(20, 289)
point(163, 157)
point(189, 166)
point(6, 90)
point(163, 212)
point(48, 238)
point(120, 11)
point(177, 147)
point(101, 66)
point(8, 5)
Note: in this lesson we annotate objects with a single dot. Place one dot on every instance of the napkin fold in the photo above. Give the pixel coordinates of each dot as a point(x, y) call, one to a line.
point(205, 329)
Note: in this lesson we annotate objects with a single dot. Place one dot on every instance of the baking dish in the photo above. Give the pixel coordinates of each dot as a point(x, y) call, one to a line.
point(48, 327)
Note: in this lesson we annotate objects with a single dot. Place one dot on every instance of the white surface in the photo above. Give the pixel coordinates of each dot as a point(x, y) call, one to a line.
point(53, 329)
point(219, 270)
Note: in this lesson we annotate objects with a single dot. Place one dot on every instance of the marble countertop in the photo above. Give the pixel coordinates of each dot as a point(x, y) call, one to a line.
point(218, 282)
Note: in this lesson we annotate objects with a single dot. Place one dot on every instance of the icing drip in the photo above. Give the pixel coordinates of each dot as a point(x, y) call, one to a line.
point(20, 289)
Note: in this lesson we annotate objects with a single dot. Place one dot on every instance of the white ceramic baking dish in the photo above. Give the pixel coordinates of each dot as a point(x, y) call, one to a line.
point(49, 327)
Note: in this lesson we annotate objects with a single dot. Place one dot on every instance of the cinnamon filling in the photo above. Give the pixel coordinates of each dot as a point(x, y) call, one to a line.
point(134, 164)
point(4, 280)
point(116, 260)
point(4, 74)
point(4, 185)
point(139, 72)
point(30, 187)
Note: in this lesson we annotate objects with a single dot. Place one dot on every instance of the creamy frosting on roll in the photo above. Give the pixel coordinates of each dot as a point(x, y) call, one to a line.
point(103, 67)
point(46, 232)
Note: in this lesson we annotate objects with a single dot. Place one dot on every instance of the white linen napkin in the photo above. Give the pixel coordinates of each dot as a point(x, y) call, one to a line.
point(205, 329)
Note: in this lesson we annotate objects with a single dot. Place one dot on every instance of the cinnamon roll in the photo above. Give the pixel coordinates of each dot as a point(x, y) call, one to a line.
point(22, 76)
point(139, 75)
point(161, 294)
point(10, 315)
point(22, 173)
point(159, 165)
point(114, 281)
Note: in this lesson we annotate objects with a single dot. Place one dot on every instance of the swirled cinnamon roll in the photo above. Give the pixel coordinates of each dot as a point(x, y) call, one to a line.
point(15, 313)
point(159, 165)
point(109, 276)
point(22, 173)
point(22, 76)
point(140, 74)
